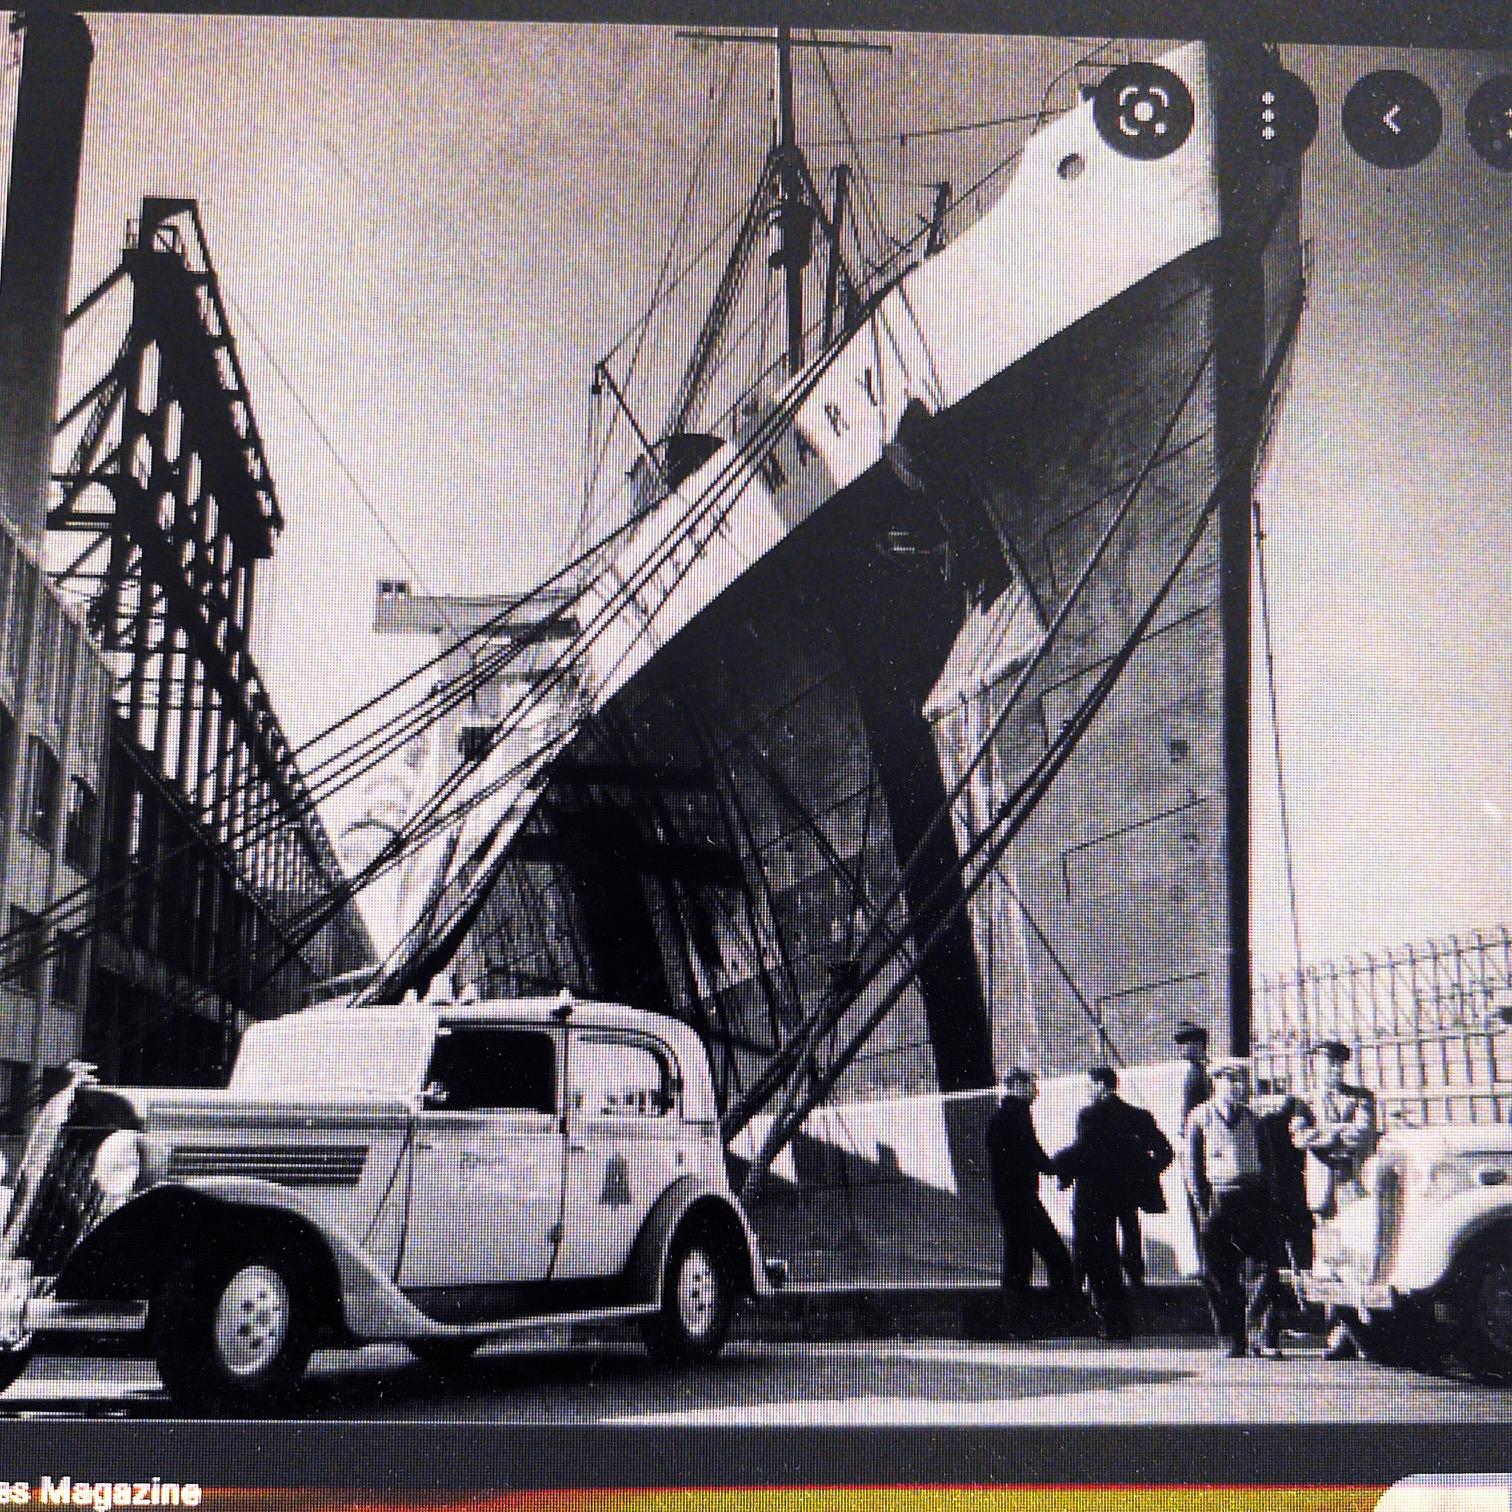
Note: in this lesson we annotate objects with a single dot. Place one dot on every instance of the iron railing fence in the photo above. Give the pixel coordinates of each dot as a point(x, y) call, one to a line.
point(1424, 1021)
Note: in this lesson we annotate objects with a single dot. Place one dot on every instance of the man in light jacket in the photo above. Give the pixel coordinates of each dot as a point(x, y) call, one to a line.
point(1231, 1185)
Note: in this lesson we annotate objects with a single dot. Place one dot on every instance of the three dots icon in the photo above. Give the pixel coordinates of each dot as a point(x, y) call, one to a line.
point(1287, 119)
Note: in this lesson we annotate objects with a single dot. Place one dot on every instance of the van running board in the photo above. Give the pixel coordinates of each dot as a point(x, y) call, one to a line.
point(535, 1320)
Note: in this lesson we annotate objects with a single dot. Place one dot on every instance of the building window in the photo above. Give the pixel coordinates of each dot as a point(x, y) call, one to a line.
point(68, 974)
point(13, 1100)
point(69, 651)
point(18, 622)
point(25, 951)
point(7, 760)
point(82, 826)
point(45, 660)
point(43, 774)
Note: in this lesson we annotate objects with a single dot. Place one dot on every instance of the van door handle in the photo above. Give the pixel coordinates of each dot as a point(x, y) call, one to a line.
point(425, 1144)
point(577, 1149)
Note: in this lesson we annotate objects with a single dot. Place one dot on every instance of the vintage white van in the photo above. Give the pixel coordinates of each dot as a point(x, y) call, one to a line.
point(435, 1174)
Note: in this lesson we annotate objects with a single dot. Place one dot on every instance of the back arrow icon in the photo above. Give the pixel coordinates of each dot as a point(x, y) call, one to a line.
point(1390, 119)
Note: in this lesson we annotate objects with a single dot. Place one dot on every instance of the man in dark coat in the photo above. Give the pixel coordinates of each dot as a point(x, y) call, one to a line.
point(1278, 1111)
point(1017, 1161)
point(1116, 1161)
point(1196, 1088)
point(1192, 1045)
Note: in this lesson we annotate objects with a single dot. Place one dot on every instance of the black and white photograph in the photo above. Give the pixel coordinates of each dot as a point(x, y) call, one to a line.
point(762, 724)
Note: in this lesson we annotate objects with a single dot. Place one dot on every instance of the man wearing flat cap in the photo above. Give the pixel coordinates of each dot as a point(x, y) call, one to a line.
point(1337, 1129)
point(1231, 1185)
point(1337, 1132)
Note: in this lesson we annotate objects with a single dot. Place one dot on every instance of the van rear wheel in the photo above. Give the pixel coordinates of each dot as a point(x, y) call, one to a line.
point(233, 1333)
point(697, 1303)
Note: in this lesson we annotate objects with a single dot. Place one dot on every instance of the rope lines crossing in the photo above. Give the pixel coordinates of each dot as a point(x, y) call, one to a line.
point(992, 841)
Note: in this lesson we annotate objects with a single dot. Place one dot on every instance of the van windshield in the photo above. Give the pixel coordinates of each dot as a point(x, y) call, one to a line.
point(324, 1054)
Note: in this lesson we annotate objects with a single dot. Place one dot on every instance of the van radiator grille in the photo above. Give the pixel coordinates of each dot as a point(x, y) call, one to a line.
point(67, 1201)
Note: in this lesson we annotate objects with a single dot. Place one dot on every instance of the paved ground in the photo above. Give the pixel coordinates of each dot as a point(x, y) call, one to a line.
point(1179, 1379)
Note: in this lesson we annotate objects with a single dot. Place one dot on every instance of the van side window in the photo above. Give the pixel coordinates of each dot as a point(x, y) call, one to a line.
point(486, 1070)
point(616, 1078)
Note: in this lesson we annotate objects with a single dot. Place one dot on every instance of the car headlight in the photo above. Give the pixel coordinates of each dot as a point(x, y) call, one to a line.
point(118, 1163)
point(1462, 1172)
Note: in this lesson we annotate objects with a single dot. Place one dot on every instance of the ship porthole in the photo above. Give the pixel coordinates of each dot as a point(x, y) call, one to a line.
point(1070, 167)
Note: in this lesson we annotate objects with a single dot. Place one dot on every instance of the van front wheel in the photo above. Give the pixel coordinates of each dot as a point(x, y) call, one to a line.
point(233, 1333)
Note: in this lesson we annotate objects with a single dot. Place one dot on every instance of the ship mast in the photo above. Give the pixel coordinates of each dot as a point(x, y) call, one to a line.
point(795, 217)
point(785, 203)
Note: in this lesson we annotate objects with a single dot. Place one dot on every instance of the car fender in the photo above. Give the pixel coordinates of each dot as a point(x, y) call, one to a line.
point(150, 1232)
point(691, 1196)
point(1430, 1248)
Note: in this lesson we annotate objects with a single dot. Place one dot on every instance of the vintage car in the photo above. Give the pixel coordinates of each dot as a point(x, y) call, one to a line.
point(435, 1174)
point(1421, 1261)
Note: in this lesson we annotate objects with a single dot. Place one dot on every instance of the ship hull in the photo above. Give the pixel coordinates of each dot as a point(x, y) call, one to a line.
point(866, 754)
point(718, 839)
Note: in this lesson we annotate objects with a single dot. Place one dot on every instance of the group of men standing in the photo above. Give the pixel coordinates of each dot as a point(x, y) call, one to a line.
point(1255, 1185)
point(1114, 1166)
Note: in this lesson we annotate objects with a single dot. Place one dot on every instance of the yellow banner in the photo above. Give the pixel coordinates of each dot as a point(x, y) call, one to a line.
point(827, 1499)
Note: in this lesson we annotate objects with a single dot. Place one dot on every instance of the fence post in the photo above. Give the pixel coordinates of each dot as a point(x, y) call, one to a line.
point(1500, 1104)
point(1419, 1053)
point(1377, 1039)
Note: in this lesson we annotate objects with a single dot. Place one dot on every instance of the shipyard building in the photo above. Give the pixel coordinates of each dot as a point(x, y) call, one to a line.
point(166, 877)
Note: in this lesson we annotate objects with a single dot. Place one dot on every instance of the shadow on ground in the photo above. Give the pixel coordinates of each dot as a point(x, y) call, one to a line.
point(599, 1383)
point(605, 1383)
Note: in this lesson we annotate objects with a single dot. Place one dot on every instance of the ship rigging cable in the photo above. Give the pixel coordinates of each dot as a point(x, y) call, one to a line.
point(1282, 795)
point(1003, 831)
point(662, 289)
point(625, 591)
point(903, 138)
point(403, 839)
point(351, 762)
point(298, 932)
point(777, 1071)
point(889, 251)
point(773, 1075)
point(723, 492)
point(386, 857)
point(1053, 631)
point(1013, 814)
point(369, 748)
point(730, 475)
point(325, 440)
point(480, 851)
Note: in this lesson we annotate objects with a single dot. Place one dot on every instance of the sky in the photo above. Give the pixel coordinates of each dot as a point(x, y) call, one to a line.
point(428, 233)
